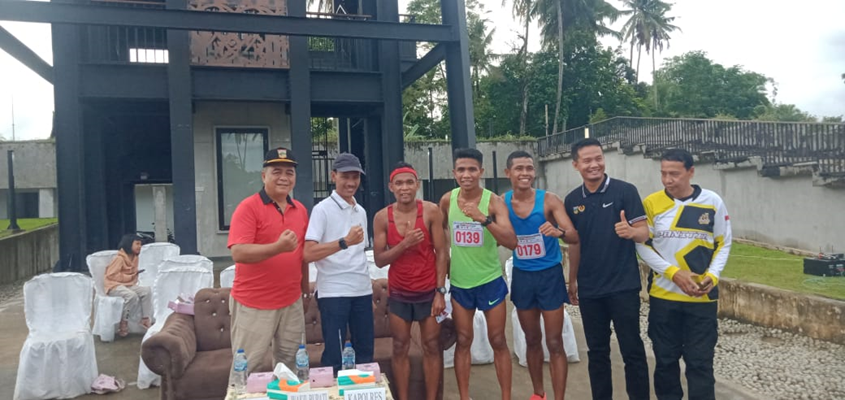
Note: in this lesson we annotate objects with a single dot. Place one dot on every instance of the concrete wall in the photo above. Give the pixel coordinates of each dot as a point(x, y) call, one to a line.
point(145, 207)
point(416, 153)
point(35, 172)
point(786, 211)
point(208, 115)
point(35, 164)
point(27, 254)
point(813, 316)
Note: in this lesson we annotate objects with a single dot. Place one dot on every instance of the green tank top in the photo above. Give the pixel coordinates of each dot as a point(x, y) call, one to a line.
point(475, 257)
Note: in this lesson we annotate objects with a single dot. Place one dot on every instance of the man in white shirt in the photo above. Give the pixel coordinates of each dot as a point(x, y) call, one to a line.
point(335, 241)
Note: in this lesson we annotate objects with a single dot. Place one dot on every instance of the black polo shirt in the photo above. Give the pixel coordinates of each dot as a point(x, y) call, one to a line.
point(608, 262)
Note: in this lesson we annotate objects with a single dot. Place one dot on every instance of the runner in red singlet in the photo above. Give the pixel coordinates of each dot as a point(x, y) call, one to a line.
point(408, 236)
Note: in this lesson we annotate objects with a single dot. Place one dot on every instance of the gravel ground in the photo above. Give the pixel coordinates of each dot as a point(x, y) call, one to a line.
point(779, 365)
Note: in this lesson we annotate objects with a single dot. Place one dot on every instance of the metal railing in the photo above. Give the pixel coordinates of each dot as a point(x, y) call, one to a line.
point(123, 45)
point(776, 143)
point(341, 54)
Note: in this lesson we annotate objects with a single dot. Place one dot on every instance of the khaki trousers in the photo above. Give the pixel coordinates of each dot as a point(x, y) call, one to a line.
point(259, 331)
point(134, 296)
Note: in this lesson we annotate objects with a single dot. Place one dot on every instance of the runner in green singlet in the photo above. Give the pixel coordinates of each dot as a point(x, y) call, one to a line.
point(477, 222)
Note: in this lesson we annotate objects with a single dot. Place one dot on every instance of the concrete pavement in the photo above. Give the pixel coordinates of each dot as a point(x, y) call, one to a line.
point(120, 358)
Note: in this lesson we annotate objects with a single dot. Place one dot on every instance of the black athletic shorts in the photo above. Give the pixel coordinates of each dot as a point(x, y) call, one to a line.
point(410, 311)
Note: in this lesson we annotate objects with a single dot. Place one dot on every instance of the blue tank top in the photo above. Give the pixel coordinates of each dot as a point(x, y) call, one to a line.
point(534, 251)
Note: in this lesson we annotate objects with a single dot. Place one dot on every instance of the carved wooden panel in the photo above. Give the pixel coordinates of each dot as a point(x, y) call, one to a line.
point(240, 49)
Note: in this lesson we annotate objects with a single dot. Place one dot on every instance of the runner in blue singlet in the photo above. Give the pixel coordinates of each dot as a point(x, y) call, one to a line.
point(538, 287)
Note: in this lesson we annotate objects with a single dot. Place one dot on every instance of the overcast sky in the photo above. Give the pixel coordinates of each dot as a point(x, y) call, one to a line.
point(800, 45)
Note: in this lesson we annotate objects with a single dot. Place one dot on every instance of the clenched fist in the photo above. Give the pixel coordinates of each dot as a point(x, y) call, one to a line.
point(547, 229)
point(413, 236)
point(287, 241)
point(471, 210)
point(355, 236)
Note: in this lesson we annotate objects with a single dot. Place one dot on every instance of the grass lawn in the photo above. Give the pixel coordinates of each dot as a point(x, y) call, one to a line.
point(781, 270)
point(25, 224)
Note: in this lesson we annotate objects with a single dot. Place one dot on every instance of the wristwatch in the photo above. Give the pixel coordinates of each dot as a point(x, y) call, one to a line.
point(342, 244)
point(441, 290)
point(487, 221)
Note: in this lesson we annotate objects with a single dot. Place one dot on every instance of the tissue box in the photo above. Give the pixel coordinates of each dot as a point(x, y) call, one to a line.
point(279, 390)
point(183, 304)
point(321, 377)
point(181, 308)
point(370, 367)
point(258, 381)
point(354, 377)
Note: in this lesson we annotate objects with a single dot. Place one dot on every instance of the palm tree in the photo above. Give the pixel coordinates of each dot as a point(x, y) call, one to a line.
point(648, 26)
point(557, 16)
point(522, 10)
point(480, 39)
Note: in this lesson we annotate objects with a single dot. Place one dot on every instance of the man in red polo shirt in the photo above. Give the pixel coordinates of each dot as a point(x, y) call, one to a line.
point(270, 276)
point(408, 235)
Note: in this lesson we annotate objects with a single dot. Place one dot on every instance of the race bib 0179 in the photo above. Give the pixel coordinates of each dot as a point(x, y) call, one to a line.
point(467, 234)
point(530, 247)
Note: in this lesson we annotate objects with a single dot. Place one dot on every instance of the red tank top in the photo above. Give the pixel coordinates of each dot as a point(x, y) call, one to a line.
point(413, 276)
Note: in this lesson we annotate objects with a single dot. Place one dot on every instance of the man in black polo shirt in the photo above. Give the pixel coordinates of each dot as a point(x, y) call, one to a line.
point(604, 275)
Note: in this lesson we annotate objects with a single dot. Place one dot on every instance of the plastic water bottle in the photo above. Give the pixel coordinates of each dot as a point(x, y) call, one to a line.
point(348, 356)
point(302, 366)
point(240, 371)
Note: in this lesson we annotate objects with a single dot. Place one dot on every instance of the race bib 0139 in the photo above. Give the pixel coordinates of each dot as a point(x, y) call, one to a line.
point(467, 234)
point(530, 247)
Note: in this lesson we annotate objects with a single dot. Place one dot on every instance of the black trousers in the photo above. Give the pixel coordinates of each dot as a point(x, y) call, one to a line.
point(689, 330)
point(623, 309)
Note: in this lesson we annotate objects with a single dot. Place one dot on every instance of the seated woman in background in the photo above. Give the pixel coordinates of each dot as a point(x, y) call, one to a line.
point(121, 280)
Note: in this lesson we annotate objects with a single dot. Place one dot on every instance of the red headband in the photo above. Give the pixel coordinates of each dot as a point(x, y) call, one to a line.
point(398, 171)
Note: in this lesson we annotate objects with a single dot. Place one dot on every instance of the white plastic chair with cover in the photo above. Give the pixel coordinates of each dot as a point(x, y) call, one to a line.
point(108, 310)
point(227, 277)
point(481, 352)
point(186, 260)
point(170, 284)
point(375, 272)
point(57, 359)
point(520, 347)
point(151, 256)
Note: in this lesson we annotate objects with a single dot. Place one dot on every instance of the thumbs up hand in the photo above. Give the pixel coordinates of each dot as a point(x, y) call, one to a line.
point(623, 228)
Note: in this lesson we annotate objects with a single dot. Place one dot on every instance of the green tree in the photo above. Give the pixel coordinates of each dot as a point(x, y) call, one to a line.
point(522, 10)
point(647, 25)
point(693, 86)
point(783, 113)
point(480, 38)
point(421, 101)
point(556, 17)
point(596, 79)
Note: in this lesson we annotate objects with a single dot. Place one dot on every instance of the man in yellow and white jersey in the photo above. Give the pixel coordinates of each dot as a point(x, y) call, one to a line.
point(688, 246)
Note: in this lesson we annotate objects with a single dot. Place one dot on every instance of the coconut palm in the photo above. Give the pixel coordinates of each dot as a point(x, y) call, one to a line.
point(648, 26)
point(522, 10)
point(557, 16)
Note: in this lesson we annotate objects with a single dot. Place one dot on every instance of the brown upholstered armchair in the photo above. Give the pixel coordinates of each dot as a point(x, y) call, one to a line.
point(193, 354)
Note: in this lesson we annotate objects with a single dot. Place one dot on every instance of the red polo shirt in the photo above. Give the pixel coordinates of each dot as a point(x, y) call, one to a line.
point(275, 282)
